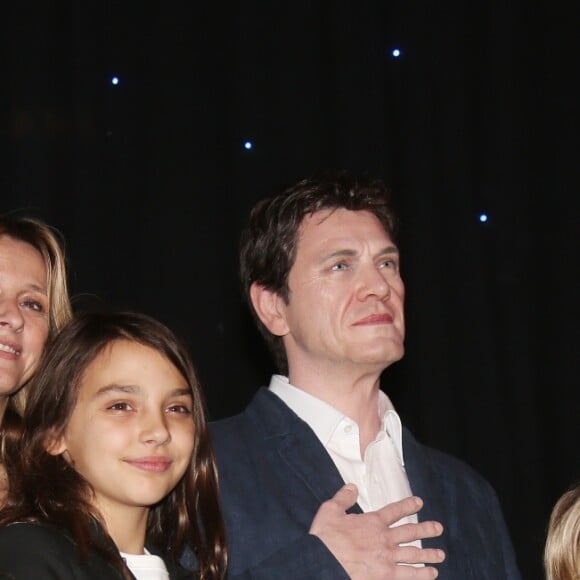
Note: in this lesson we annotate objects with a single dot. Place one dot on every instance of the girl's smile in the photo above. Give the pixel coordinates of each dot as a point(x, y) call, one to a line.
point(131, 434)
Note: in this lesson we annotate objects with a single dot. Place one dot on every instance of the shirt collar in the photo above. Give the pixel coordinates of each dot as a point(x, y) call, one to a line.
point(323, 419)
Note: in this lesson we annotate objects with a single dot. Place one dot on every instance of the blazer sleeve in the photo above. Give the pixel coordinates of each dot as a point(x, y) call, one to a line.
point(306, 558)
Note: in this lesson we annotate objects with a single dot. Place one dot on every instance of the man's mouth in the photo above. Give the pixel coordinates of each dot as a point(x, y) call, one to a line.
point(382, 318)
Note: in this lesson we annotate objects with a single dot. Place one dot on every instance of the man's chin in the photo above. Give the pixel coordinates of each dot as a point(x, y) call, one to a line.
point(381, 358)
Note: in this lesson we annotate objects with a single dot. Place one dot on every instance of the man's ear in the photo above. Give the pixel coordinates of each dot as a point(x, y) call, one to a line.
point(270, 308)
point(55, 444)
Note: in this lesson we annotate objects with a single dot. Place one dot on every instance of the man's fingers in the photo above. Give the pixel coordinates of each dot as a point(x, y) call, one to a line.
point(411, 573)
point(345, 497)
point(393, 512)
point(414, 555)
point(410, 532)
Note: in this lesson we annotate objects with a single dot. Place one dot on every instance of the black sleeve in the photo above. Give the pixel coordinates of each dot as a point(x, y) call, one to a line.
point(34, 552)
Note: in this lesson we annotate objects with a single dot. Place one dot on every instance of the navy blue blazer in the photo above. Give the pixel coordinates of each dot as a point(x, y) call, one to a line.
point(274, 474)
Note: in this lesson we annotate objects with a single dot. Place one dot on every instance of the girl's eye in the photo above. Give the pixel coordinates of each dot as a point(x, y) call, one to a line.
point(183, 409)
point(34, 305)
point(120, 407)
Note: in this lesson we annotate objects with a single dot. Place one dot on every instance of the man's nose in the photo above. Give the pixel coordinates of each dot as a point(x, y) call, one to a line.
point(373, 283)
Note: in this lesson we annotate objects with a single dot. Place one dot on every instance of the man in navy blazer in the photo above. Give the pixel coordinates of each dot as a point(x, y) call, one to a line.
point(320, 269)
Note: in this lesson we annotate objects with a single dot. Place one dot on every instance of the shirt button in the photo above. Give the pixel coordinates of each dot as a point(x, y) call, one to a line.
point(348, 429)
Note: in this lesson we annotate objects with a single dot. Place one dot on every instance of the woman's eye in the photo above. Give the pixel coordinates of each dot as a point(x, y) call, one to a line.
point(34, 305)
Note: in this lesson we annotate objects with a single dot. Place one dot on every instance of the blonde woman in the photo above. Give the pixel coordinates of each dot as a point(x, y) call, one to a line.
point(34, 304)
point(562, 553)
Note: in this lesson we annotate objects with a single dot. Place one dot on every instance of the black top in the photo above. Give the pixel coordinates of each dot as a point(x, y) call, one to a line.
point(39, 552)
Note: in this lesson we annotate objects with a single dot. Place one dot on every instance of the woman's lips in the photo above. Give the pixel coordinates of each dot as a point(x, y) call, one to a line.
point(9, 350)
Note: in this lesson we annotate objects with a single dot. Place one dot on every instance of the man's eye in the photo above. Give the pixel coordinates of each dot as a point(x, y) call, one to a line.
point(340, 266)
point(392, 264)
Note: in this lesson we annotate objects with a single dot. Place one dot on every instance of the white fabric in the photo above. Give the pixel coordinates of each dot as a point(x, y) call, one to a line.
point(146, 566)
point(380, 476)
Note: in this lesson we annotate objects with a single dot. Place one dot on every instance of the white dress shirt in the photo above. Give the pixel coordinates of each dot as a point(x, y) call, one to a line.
point(380, 475)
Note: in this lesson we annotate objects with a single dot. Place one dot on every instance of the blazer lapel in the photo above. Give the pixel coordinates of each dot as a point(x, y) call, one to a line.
point(427, 485)
point(299, 447)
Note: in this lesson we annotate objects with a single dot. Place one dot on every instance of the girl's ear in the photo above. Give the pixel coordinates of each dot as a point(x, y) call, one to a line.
point(55, 444)
point(270, 308)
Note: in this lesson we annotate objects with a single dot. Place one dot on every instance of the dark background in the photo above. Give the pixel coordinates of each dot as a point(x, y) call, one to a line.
point(149, 183)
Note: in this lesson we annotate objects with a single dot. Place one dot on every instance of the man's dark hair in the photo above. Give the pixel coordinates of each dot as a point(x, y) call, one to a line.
point(269, 241)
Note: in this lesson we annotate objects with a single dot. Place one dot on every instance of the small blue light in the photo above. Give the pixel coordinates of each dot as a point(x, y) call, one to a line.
point(248, 145)
point(483, 217)
point(396, 53)
point(115, 81)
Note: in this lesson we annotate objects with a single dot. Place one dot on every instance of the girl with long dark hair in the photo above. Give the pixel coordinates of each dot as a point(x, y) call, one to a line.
point(116, 474)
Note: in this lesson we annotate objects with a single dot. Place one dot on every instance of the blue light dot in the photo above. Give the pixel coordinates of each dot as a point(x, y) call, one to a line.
point(482, 217)
point(115, 81)
point(396, 53)
point(248, 145)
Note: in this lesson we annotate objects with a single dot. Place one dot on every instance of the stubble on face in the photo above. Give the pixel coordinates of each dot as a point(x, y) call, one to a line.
point(345, 307)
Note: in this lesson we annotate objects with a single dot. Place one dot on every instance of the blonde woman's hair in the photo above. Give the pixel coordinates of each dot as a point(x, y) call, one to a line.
point(562, 552)
point(47, 242)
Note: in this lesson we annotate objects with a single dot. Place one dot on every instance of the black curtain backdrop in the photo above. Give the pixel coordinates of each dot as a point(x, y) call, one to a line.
point(149, 182)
